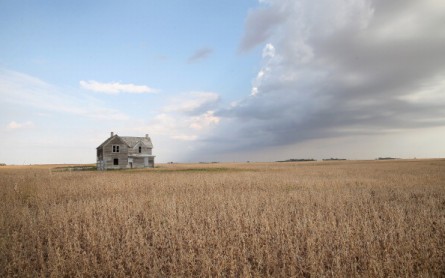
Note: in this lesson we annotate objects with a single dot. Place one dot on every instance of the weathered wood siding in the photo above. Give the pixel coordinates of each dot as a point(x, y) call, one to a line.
point(109, 155)
point(135, 150)
point(128, 157)
point(138, 162)
point(100, 154)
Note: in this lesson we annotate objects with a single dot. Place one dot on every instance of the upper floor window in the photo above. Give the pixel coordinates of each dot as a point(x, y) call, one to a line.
point(140, 149)
point(115, 148)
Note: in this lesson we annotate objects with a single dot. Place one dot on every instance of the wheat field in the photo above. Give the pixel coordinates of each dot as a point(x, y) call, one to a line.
point(312, 219)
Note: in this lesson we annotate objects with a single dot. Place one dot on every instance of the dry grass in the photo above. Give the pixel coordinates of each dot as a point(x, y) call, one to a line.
point(375, 218)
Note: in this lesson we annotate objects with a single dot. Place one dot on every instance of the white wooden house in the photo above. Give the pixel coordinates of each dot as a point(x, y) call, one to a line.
point(122, 152)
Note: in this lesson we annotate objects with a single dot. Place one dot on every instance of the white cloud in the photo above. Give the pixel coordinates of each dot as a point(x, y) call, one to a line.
point(178, 125)
point(204, 120)
point(115, 88)
point(269, 58)
point(269, 51)
point(194, 102)
point(16, 125)
point(184, 137)
point(25, 90)
point(188, 117)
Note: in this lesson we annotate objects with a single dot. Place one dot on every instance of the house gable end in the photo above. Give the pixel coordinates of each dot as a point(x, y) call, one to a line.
point(141, 144)
point(147, 143)
point(136, 146)
point(116, 141)
point(113, 140)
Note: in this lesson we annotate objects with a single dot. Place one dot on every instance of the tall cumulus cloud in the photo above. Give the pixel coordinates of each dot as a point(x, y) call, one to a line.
point(338, 68)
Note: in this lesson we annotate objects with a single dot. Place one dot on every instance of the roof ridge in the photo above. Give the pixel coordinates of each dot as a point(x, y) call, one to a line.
point(131, 141)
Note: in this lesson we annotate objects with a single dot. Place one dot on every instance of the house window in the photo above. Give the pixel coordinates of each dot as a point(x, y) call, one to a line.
point(115, 161)
point(115, 148)
point(140, 149)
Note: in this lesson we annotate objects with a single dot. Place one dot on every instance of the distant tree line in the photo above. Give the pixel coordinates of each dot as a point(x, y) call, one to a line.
point(309, 159)
point(386, 158)
point(297, 160)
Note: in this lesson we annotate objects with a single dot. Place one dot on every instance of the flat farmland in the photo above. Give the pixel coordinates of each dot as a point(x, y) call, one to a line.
point(309, 219)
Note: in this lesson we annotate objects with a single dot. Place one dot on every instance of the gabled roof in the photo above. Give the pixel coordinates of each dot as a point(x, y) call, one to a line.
point(133, 141)
point(130, 141)
point(109, 139)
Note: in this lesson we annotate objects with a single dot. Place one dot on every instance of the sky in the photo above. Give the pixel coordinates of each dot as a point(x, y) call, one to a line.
point(226, 80)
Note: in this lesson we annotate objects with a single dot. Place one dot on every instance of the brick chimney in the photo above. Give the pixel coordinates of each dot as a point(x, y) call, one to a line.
point(146, 135)
point(112, 134)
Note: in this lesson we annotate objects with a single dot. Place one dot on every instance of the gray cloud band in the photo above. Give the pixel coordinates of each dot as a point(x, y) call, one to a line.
point(357, 68)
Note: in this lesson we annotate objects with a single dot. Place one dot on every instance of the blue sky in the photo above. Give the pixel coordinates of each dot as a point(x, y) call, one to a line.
point(222, 80)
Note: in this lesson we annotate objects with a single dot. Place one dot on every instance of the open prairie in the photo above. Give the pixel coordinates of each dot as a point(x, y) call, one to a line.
point(339, 218)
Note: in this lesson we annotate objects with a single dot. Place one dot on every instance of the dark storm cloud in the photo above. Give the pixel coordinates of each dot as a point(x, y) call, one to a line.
point(260, 26)
point(356, 68)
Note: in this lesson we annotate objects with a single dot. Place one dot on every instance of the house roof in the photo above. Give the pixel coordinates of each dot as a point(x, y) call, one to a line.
point(130, 141)
point(133, 141)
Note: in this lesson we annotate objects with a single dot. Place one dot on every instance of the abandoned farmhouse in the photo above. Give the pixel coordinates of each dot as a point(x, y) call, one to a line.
point(121, 152)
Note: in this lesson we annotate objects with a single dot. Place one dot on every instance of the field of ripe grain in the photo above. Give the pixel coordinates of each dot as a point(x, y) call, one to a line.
point(341, 218)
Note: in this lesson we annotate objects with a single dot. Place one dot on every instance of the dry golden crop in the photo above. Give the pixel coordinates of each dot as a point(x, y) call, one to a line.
point(343, 218)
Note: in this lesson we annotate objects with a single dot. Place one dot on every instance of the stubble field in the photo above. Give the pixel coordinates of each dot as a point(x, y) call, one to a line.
point(344, 218)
